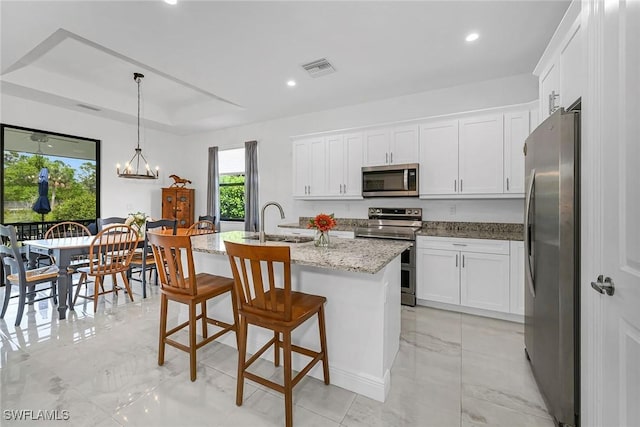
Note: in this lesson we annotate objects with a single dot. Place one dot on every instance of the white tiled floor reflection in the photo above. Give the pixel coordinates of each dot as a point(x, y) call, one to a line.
point(452, 370)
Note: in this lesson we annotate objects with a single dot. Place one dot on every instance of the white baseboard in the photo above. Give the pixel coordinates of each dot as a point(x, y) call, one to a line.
point(518, 318)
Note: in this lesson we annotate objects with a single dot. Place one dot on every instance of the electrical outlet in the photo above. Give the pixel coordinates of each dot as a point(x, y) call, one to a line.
point(452, 210)
point(129, 207)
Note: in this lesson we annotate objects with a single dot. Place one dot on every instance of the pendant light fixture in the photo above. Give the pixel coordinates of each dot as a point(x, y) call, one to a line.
point(137, 167)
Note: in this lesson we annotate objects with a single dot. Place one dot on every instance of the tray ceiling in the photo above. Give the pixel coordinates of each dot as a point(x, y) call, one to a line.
point(215, 64)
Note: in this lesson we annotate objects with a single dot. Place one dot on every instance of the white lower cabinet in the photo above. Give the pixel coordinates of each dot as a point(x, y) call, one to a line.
point(438, 275)
point(484, 281)
point(473, 273)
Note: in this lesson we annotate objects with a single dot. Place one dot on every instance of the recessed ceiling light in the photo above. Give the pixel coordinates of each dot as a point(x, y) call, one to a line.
point(291, 83)
point(171, 1)
point(472, 37)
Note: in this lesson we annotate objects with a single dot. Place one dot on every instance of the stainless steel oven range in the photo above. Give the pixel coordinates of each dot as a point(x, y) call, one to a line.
point(397, 224)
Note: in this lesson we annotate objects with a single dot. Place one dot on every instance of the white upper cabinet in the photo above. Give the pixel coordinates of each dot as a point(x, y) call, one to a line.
point(328, 167)
point(403, 146)
point(480, 154)
point(465, 156)
point(376, 147)
point(344, 158)
point(300, 168)
point(309, 167)
point(516, 130)
point(335, 160)
point(561, 70)
point(572, 66)
point(317, 167)
point(391, 146)
point(352, 165)
point(439, 158)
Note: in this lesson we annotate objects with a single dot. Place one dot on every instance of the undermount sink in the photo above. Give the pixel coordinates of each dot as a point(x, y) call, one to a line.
point(283, 238)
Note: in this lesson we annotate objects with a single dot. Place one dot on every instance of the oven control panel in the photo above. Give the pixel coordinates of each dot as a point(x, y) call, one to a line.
point(395, 213)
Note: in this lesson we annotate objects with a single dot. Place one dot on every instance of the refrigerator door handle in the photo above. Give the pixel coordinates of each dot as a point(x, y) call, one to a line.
point(527, 234)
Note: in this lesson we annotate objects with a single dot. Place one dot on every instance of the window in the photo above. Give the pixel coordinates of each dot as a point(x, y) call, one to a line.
point(73, 175)
point(232, 197)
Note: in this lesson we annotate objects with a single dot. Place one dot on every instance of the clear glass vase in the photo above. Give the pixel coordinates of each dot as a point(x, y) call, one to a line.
point(321, 239)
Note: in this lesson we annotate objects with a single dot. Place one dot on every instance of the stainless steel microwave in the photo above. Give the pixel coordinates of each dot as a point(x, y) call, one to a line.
point(390, 181)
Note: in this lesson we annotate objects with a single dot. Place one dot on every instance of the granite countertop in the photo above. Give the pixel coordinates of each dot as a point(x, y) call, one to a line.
point(357, 255)
point(473, 230)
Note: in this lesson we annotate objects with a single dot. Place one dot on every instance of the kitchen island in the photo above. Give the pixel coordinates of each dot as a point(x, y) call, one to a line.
point(360, 279)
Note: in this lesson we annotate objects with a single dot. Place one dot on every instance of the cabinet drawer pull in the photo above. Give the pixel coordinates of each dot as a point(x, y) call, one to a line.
point(459, 244)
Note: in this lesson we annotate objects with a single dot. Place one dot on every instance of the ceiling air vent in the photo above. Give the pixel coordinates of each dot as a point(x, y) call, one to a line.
point(319, 68)
point(89, 107)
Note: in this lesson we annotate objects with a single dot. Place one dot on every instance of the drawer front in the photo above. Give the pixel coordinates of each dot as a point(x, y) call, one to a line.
point(499, 247)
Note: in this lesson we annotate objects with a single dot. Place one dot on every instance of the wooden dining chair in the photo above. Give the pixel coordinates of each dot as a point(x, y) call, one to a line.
point(101, 223)
point(275, 308)
point(143, 260)
point(211, 218)
point(15, 274)
point(201, 227)
point(180, 283)
point(69, 229)
point(110, 254)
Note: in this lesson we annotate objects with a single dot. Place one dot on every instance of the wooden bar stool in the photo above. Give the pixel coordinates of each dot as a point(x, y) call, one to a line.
point(278, 309)
point(180, 283)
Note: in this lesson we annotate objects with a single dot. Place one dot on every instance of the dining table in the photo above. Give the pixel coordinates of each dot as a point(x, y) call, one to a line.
point(63, 250)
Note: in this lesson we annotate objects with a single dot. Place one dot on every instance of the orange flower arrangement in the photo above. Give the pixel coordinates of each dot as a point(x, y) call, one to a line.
point(322, 222)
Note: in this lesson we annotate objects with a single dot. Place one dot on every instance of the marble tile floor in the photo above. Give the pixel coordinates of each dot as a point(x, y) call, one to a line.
point(452, 370)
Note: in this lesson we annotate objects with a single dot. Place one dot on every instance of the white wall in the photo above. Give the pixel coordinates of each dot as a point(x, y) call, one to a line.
point(118, 196)
point(275, 150)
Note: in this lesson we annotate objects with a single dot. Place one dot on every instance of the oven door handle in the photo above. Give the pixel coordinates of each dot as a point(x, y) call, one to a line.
point(369, 236)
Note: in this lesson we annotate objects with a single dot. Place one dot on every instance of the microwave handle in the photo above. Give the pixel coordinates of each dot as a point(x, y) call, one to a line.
point(406, 179)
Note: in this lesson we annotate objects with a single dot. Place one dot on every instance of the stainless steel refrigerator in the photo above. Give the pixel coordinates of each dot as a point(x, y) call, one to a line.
point(552, 243)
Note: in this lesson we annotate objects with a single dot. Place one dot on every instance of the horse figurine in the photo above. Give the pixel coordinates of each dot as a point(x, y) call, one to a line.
point(179, 182)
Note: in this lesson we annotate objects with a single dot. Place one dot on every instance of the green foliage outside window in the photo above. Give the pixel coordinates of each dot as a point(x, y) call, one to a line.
point(232, 200)
point(72, 192)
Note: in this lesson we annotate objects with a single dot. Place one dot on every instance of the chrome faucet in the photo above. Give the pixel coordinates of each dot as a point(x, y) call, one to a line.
point(262, 235)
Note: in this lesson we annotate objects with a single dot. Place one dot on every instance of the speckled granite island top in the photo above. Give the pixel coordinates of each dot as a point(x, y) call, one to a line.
point(357, 255)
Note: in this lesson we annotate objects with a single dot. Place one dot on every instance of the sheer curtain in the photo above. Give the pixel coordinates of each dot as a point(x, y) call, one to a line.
point(251, 222)
point(213, 186)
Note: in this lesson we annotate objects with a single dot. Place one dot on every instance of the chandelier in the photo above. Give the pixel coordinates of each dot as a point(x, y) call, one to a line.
point(137, 167)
